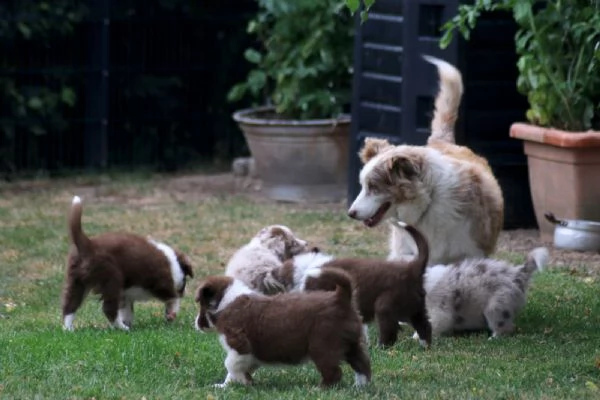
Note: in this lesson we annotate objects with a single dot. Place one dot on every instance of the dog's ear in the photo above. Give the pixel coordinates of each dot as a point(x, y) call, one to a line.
point(372, 147)
point(204, 294)
point(277, 231)
point(403, 167)
point(185, 264)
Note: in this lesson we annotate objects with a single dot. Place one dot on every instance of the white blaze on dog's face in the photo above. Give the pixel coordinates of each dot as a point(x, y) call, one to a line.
point(387, 179)
point(281, 240)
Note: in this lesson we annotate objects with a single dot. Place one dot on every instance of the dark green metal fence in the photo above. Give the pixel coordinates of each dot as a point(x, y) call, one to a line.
point(134, 82)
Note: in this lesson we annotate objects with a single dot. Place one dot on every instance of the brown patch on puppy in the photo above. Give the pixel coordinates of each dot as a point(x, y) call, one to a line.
point(387, 291)
point(288, 328)
point(121, 268)
point(372, 147)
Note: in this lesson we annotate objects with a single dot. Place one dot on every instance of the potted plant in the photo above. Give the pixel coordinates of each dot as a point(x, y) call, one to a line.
point(558, 45)
point(301, 79)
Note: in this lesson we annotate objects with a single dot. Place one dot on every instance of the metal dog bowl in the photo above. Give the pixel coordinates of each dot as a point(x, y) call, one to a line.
point(575, 234)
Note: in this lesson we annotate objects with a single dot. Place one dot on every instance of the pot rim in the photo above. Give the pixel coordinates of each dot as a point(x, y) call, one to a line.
point(580, 225)
point(243, 117)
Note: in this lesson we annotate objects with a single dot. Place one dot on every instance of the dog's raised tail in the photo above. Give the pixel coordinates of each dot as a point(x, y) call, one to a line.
point(422, 257)
point(328, 278)
point(447, 100)
point(78, 237)
point(537, 259)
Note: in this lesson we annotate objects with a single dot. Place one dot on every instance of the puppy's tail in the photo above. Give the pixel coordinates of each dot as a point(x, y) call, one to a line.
point(447, 100)
point(328, 278)
point(537, 259)
point(79, 239)
point(422, 245)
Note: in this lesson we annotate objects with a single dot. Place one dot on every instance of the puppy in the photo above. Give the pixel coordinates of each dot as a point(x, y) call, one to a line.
point(446, 191)
point(121, 268)
point(386, 291)
point(479, 294)
point(253, 263)
point(287, 328)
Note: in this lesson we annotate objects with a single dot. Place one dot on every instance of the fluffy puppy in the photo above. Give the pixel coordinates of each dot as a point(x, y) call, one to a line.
point(121, 268)
point(478, 294)
point(253, 263)
point(288, 328)
point(446, 191)
point(386, 291)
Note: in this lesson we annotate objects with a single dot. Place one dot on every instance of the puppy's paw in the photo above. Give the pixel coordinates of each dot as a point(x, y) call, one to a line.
point(170, 317)
point(360, 380)
point(118, 324)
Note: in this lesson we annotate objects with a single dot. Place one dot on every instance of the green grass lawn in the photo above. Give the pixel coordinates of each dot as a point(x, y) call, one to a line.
point(555, 353)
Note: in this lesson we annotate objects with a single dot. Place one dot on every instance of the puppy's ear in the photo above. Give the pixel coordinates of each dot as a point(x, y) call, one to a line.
point(403, 167)
point(185, 264)
point(277, 231)
point(372, 147)
point(204, 294)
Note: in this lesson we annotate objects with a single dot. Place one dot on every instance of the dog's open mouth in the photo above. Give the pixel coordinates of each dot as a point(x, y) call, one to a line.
point(376, 218)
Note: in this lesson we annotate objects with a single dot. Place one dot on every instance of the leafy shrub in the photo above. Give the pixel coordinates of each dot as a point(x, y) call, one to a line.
point(304, 64)
point(558, 45)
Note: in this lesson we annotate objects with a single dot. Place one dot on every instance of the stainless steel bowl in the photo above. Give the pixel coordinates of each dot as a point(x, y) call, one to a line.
point(575, 234)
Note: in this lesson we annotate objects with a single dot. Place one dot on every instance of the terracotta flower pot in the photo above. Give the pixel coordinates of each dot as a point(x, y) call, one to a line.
point(298, 160)
point(564, 173)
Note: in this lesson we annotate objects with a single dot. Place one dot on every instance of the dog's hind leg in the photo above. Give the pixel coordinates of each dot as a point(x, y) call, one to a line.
point(359, 360)
point(327, 361)
point(126, 312)
point(73, 296)
point(387, 322)
point(421, 323)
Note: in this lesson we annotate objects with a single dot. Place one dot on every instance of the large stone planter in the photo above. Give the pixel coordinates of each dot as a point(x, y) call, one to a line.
point(564, 173)
point(298, 160)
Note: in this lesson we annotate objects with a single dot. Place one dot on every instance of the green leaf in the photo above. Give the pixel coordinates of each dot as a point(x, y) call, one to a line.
point(352, 5)
point(521, 11)
point(236, 92)
point(364, 16)
point(37, 130)
point(35, 103)
point(369, 4)
point(68, 96)
point(252, 56)
point(24, 29)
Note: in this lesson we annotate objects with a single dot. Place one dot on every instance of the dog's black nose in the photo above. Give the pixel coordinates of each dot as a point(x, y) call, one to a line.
point(352, 214)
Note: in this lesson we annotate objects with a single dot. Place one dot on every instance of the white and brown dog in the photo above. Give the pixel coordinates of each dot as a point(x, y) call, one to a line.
point(386, 291)
point(254, 262)
point(121, 268)
point(288, 328)
point(446, 191)
point(479, 294)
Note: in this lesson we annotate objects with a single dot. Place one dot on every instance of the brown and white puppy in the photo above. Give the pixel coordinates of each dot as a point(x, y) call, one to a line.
point(386, 291)
point(121, 268)
point(253, 263)
point(478, 294)
point(287, 328)
point(446, 191)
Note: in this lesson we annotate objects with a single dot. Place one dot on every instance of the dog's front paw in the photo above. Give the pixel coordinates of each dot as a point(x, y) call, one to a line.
point(171, 316)
point(118, 324)
point(221, 385)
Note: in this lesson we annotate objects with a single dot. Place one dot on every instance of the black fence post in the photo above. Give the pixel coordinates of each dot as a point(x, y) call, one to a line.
point(97, 93)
